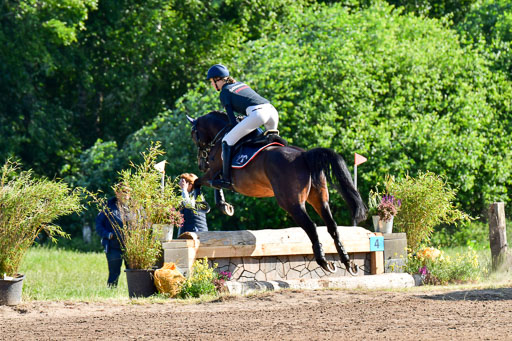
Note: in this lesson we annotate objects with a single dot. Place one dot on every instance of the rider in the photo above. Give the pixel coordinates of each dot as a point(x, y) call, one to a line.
point(239, 97)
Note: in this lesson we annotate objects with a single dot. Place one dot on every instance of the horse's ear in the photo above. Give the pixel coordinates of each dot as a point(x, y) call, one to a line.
point(191, 120)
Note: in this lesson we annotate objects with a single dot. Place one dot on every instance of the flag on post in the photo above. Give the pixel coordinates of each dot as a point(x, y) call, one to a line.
point(160, 167)
point(359, 159)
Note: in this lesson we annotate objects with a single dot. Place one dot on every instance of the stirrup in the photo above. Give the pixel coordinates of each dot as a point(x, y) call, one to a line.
point(221, 184)
point(271, 131)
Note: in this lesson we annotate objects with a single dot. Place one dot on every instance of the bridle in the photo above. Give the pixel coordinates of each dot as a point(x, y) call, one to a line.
point(204, 148)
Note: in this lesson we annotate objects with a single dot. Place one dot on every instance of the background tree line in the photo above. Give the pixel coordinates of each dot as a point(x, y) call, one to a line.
point(412, 85)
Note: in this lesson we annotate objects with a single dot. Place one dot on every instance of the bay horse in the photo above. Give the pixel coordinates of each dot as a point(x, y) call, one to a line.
point(290, 174)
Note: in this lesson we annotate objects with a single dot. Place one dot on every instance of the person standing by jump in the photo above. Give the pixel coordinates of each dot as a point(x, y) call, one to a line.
point(239, 97)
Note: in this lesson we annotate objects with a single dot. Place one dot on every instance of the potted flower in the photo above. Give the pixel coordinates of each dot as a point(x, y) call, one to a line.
point(387, 209)
point(145, 205)
point(28, 207)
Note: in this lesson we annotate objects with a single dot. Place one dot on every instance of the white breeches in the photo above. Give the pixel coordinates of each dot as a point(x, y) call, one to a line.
point(257, 115)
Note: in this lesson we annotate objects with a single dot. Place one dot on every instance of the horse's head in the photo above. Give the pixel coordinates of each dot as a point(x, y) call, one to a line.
point(206, 133)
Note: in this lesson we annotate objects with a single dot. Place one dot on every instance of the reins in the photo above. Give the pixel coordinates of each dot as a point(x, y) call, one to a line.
point(203, 152)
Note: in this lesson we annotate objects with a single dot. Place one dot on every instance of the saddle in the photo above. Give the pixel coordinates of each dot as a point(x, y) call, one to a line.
point(249, 146)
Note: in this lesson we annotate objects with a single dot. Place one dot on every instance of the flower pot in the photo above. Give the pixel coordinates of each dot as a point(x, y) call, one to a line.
point(164, 231)
point(140, 282)
point(375, 219)
point(386, 226)
point(418, 279)
point(10, 290)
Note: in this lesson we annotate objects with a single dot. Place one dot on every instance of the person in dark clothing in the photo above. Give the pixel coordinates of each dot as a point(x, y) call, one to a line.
point(108, 223)
point(194, 208)
point(239, 97)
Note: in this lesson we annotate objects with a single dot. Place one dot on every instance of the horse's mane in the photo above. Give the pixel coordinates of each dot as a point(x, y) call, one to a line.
point(216, 116)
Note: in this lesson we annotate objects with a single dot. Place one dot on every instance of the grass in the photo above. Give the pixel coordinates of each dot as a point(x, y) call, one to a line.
point(53, 274)
point(56, 274)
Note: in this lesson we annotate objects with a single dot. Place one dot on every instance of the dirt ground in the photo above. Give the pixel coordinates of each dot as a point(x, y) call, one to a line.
point(283, 315)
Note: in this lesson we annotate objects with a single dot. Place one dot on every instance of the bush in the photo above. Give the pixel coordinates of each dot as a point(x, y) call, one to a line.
point(427, 201)
point(437, 268)
point(201, 280)
point(144, 205)
point(28, 207)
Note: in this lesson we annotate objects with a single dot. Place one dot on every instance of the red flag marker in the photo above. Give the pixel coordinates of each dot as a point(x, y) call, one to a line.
point(359, 159)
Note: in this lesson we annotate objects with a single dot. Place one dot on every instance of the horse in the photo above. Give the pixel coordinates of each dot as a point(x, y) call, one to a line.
point(292, 175)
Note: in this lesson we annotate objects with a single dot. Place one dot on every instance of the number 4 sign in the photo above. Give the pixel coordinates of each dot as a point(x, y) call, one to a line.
point(376, 243)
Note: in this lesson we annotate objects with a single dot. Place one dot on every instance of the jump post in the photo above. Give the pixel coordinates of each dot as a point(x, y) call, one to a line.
point(274, 254)
point(497, 234)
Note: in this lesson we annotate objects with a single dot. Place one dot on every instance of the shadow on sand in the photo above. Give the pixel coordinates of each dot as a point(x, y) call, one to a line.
point(501, 294)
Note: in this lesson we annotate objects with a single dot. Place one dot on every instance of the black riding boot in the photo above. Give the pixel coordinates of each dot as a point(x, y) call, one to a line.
point(225, 182)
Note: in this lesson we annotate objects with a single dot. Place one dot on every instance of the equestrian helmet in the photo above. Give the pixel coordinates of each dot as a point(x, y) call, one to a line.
point(218, 70)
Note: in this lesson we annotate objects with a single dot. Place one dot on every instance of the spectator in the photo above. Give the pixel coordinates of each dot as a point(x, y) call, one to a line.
point(194, 207)
point(108, 225)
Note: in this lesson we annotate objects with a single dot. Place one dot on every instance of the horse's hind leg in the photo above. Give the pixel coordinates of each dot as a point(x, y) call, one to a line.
point(319, 199)
point(299, 214)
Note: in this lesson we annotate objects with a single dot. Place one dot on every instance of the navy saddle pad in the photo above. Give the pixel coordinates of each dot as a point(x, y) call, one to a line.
point(247, 153)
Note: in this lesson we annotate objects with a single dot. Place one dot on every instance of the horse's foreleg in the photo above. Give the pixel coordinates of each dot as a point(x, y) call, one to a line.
point(221, 203)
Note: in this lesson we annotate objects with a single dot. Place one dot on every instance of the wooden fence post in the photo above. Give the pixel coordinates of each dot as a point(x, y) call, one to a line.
point(497, 234)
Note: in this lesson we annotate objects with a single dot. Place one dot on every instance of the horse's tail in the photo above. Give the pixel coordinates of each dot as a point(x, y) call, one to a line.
point(328, 162)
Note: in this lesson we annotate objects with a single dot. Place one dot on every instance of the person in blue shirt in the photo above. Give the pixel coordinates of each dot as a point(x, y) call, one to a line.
point(194, 208)
point(239, 97)
point(108, 225)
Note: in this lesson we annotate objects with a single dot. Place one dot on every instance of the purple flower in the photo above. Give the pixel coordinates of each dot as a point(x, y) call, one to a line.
point(423, 271)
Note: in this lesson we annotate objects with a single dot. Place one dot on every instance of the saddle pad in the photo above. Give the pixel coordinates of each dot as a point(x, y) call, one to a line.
point(247, 153)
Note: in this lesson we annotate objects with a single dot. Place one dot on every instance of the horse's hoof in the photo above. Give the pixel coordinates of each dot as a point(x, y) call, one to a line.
point(227, 209)
point(328, 266)
point(352, 268)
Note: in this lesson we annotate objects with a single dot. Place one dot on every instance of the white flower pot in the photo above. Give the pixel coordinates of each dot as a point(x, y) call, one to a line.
point(164, 231)
point(376, 227)
point(386, 226)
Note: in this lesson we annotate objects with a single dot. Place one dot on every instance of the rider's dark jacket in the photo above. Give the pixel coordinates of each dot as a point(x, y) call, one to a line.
point(238, 97)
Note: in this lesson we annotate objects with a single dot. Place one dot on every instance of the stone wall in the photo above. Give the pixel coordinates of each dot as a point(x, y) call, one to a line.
point(276, 268)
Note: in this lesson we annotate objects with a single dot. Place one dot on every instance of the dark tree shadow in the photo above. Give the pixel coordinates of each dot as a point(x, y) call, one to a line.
point(501, 294)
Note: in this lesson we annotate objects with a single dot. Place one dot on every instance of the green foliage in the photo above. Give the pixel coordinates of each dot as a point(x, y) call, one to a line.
point(28, 207)
point(142, 204)
point(454, 9)
point(437, 268)
point(474, 234)
point(427, 201)
point(398, 89)
point(491, 22)
point(200, 281)
point(37, 38)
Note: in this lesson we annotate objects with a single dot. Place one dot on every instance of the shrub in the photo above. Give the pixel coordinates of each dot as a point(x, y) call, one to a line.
point(146, 204)
point(28, 207)
point(437, 268)
point(427, 201)
point(200, 281)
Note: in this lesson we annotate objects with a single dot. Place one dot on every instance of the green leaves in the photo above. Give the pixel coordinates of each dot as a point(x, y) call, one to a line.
point(29, 206)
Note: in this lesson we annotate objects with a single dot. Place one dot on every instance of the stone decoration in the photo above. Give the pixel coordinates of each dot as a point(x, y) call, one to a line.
point(286, 267)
